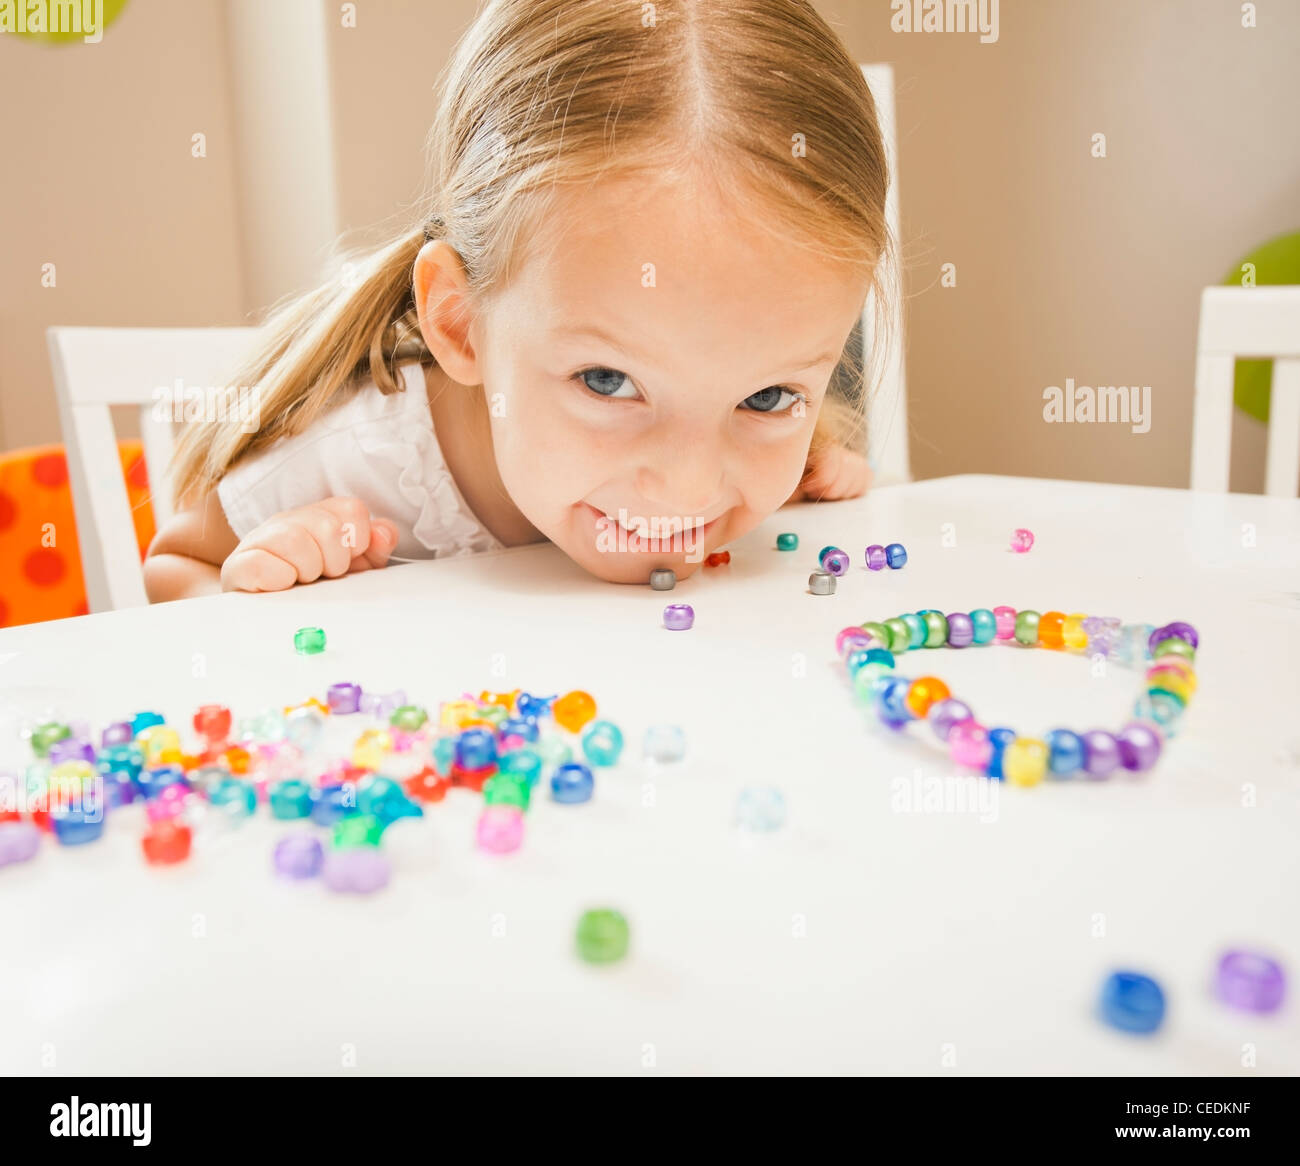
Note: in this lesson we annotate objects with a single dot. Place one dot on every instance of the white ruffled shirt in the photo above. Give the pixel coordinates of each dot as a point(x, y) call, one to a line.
point(381, 449)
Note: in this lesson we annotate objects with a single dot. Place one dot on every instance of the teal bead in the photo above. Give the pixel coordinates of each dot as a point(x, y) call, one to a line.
point(1027, 628)
point(290, 799)
point(985, 625)
point(602, 742)
point(916, 626)
point(383, 798)
point(936, 629)
point(821, 555)
point(443, 755)
point(787, 542)
point(237, 798)
point(900, 634)
point(1162, 708)
point(525, 763)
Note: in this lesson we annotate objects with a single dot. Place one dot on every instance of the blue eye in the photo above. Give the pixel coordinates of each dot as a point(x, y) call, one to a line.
point(769, 400)
point(607, 382)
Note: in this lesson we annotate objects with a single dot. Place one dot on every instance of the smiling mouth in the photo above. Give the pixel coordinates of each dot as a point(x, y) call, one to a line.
point(650, 533)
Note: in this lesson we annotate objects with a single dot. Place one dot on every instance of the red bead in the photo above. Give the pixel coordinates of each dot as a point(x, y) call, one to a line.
point(213, 722)
point(717, 559)
point(9, 816)
point(427, 786)
point(166, 841)
point(41, 819)
point(471, 778)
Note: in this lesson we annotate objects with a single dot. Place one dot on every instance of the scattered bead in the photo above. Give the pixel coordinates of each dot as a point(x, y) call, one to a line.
point(500, 829)
point(1021, 540)
point(896, 556)
point(717, 559)
point(309, 641)
point(679, 617)
point(212, 722)
point(358, 830)
point(821, 583)
point(835, 562)
point(662, 579)
point(572, 783)
point(343, 698)
point(1250, 981)
point(664, 744)
point(602, 743)
point(19, 842)
point(787, 542)
point(360, 870)
point(166, 842)
point(602, 936)
point(1132, 1002)
point(760, 809)
point(877, 560)
point(574, 709)
point(299, 856)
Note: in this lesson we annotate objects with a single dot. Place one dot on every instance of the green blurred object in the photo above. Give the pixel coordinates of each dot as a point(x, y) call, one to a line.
point(1276, 262)
point(602, 936)
point(112, 9)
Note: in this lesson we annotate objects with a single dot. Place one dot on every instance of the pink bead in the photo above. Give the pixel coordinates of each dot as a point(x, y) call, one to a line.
point(501, 829)
point(1006, 621)
point(169, 803)
point(1021, 540)
point(850, 638)
point(969, 745)
point(403, 740)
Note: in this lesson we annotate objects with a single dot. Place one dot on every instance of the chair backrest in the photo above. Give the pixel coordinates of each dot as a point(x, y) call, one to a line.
point(1247, 322)
point(887, 430)
point(149, 367)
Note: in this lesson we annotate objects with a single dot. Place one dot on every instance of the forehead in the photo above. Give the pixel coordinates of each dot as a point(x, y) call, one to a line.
point(674, 263)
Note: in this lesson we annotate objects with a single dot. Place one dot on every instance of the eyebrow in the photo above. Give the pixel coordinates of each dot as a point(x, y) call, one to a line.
point(600, 334)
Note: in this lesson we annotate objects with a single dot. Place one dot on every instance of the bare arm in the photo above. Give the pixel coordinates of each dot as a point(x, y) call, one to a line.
point(185, 556)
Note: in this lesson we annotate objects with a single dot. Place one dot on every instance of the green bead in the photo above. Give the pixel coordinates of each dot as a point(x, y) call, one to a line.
point(1167, 693)
point(43, 736)
point(309, 641)
point(602, 936)
point(409, 717)
point(1174, 646)
point(1027, 628)
point(936, 629)
point(787, 542)
point(494, 714)
point(915, 625)
point(507, 789)
point(900, 635)
point(358, 830)
point(864, 681)
point(882, 633)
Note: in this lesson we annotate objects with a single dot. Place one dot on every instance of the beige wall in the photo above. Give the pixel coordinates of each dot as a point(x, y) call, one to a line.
point(1067, 265)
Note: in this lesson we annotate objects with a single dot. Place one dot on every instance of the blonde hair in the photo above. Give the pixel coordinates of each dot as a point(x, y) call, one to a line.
point(544, 93)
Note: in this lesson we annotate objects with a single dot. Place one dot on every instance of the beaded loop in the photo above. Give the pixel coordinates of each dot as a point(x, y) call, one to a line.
point(870, 655)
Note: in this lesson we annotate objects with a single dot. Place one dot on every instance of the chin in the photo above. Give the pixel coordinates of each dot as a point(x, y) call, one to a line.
point(578, 540)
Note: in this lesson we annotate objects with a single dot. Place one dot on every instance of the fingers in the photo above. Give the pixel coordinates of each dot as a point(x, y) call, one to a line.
point(835, 473)
point(257, 570)
point(383, 539)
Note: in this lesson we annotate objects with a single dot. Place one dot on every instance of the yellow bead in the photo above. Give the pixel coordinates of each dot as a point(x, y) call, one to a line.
point(1076, 639)
point(1024, 761)
point(371, 748)
point(157, 739)
point(455, 713)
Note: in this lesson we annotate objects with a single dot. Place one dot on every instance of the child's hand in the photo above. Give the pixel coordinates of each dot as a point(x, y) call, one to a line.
point(329, 538)
point(833, 472)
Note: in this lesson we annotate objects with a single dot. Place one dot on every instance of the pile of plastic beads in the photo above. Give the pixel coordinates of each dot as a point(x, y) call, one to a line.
point(869, 653)
point(501, 745)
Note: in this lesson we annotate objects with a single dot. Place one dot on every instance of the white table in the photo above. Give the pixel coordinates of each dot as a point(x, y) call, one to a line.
point(862, 938)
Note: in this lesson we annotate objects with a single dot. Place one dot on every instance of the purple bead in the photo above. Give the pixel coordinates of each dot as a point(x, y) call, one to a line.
point(1170, 630)
point(961, 630)
point(118, 733)
point(836, 563)
point(946, 713)
point(71, 749)
point(19, 842)
point(678, 617)
point(299, 856)
point(876, 557)
point(383, 704)
point(1139, 746)
point(360, 870)
point(344, 698)
point(1250, 981)
point(1100, 753)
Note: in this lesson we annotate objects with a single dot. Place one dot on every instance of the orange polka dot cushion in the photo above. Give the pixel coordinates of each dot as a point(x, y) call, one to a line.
point(40, 561)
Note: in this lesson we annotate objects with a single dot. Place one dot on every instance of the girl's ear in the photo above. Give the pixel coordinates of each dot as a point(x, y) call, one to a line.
point(442, 303)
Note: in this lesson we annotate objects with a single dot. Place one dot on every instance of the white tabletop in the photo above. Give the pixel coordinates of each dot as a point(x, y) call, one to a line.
point(866, 936)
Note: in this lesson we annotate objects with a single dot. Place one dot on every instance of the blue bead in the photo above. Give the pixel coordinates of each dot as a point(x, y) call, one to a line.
point(664, 744)
point(761, 809)
point(572, 782)
point(985, 625)
point(72, 828)
point(476, 748)
point(290, 799)
point(999, 738)
point(890, 696)
point(528, 705)
point(916, 630)
point(151, 782)
point(119, 789)
point(895, 555)
point(525, 727)
point(1066, 752)
point(332, 802)
point(142, 721)
point(1132, 1002)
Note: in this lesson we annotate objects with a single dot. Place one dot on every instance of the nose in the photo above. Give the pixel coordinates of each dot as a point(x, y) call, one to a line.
point(682, 478)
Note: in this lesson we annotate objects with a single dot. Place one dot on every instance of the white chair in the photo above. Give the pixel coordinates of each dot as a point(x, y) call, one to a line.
point(1247, 322)
point(887, 431)
point(98, 367)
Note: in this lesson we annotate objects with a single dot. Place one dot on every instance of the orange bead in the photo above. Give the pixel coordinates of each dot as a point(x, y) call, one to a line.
point(236, 759)
point(505, 699)
point(925, 691)
point(574, 709)
point(310, 703)
point(427, 786)
point(1051, 629)
point(189, 761)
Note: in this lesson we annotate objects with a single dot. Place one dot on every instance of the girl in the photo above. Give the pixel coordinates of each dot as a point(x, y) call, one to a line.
point(649, 232)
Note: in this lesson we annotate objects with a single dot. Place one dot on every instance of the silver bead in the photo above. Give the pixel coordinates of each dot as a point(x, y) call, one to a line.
point(662, 579)
point(821, 583)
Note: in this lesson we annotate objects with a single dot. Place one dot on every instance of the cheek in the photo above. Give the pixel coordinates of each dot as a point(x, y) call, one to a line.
point(542, 459)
